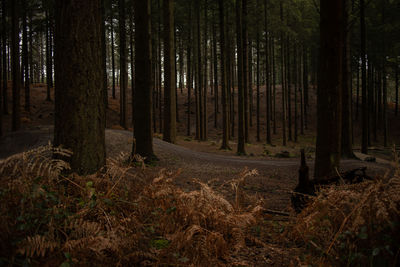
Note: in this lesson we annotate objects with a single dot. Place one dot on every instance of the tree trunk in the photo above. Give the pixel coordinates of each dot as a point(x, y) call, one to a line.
point(104, 52)
point(258, 76)
point(189, 79)
point(132, 65)
point(384, 82)
point(241, 81)
point(282, 83)
point(15, 67)
point(245, 69)
point(4, 110)
point(215, 58)
point(25, 61)
point(48, 57)
point(112, 50)
point(225, 119)
point(267, 75)
point(364, 141)
point(122, 63)
point(143, 84)
point(169, 73)
point(205, 87)
point(329, 94)
point(396, 69)
point(289, 88)
point(79, 97)
point(346, 143)
point(295, 82)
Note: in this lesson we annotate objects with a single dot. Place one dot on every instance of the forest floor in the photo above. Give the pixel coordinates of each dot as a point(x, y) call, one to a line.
point(275, 179)
point(203, 160)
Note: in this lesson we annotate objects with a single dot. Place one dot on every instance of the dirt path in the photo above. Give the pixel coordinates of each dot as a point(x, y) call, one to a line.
point(275, 179)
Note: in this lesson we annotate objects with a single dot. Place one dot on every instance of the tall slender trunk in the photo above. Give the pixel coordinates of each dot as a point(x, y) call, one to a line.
point(4, 110)
point(112, 51)
point(282, 79)
point(104, 52)
point(258, 76)
point(346, 142)
point(329, 93)
point(189, 79)
point(289, 88)
point(358, 90)
point(48, 56)
point(225, 120)
point(364, 142)
point(16, 87)
point(305, 86)
point(396, 69)
point(384, 82)
point(245, 70)
point(273, 85)
point(169, 73)
point(295, 82)
point(267, 76)
point(199, 71)
point(240, 75)
point(25, 60)
point(205, 87)
point(143, 84)
point(132, 65)
point(215, 58)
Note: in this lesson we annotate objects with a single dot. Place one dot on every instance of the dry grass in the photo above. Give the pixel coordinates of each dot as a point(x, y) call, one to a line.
point(115, 217)
point(351, 225)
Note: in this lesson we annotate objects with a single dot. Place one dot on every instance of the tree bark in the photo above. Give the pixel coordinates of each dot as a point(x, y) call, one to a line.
point(241, 81)
point(79, 97)
point(15, 67)
point(346, 142)
point(364, 141)
point(4, 110)
point(225, 119)
point(104, 52)
point(329, 93)
point(143, 84)
point(123, 65)
point(169, 73)
point(112, 50)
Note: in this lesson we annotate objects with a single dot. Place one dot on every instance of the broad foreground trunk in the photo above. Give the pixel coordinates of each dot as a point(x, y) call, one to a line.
point(79, 96)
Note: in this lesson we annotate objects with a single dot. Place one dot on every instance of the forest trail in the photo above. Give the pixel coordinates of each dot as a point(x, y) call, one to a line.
point(274, 181)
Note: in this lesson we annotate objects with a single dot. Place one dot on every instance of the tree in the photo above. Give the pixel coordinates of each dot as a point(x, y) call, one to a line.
point(4, 54)
point(346, 139)
point(143, 84)
point(79, 96)
point(329, 92)
point(240, 75)
point(364, 114)
point(104, 52)
point(49, 56)
point(112, 50)
point(169, 73)
point(15, 67)
point(25, 61)
point(225, 119)
point(122, 61)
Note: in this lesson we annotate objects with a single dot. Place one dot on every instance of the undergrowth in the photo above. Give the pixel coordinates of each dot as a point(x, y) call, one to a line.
point(351, 225)
point(114, 218)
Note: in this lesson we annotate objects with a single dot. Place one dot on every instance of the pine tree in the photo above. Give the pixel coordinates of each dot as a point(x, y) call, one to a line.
point(15, 66)
point(169, 73)
point(143, 83)
point(329, 94)
point(79, 97)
